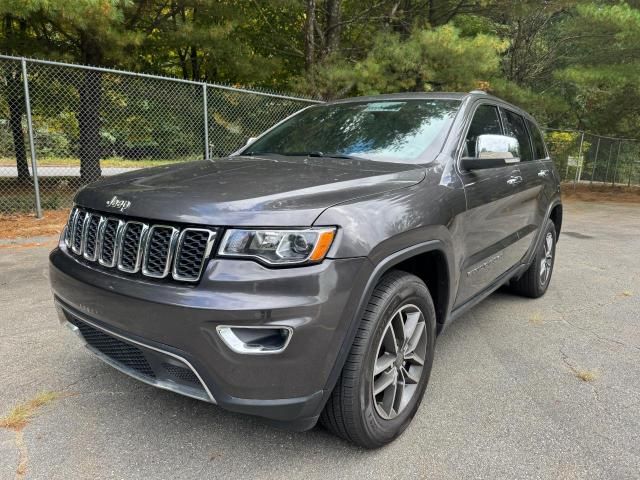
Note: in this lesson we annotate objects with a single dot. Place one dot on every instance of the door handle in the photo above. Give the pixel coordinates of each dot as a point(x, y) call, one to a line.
point(543, 173)
point(514, 180)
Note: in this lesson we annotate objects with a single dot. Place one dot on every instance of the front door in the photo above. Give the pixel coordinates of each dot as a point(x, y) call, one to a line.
point(493, 223)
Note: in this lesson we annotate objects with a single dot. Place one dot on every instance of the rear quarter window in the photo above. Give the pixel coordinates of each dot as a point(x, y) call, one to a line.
point(514, 127)
point(539, 150)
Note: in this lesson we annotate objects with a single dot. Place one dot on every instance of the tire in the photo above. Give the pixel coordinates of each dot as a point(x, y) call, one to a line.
point(535, 281)
point(400, 301)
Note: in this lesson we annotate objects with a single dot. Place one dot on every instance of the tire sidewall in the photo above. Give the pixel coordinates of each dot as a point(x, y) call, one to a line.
point(379, 429)
point(550, 228)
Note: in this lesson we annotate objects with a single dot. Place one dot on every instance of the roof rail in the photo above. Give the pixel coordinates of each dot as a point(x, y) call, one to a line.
point(480, 92)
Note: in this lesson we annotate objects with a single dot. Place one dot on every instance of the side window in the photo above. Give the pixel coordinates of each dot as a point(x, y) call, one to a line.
point(539, 151)
point(514, 127)
point(485, 121)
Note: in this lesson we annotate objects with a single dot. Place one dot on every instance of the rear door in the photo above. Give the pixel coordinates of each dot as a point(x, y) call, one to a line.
point(495, 213)
point(529, 202)
point(546, 170)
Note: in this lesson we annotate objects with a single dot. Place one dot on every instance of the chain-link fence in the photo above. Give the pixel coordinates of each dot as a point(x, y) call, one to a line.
point(586, 158)
point(81, 123)
point(73, 124)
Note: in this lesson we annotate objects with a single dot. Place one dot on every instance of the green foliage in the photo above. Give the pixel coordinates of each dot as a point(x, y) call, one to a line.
point(601, 75)
point(573, 63)
point(434, 59)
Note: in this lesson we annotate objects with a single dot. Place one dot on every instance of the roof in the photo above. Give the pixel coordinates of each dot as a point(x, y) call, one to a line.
point(406, 96)
point(431, 95)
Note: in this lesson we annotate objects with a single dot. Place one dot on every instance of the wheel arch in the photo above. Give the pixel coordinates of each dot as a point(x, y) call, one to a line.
point(430, 253)
point(431, 268)
point(556, 216)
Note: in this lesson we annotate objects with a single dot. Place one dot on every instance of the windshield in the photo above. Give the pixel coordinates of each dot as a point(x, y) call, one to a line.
point(389, 131)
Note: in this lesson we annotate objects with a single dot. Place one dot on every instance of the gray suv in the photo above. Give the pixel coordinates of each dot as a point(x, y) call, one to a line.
point(307, 276)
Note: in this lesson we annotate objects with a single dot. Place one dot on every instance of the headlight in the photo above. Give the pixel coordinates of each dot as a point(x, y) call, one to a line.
point(278, 247)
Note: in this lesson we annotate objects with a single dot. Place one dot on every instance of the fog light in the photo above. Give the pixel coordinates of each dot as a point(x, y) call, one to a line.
point(255, 340)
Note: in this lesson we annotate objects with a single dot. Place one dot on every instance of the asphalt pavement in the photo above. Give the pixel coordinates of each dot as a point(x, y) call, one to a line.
point(546, 388)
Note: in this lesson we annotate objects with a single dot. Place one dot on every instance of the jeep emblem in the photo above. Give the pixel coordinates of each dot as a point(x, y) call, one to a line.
point(121, 205)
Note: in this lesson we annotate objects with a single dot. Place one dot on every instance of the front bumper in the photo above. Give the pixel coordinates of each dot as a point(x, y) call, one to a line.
point(179, 321)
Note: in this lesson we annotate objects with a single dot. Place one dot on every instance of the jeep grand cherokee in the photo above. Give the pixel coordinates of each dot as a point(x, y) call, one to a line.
point(307, 275)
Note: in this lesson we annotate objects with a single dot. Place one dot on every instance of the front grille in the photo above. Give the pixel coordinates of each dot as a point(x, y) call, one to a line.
point(121, 352)
point(156, 251)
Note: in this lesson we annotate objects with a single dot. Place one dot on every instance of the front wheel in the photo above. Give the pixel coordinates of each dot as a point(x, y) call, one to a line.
point(386, 373)
point(535, 281)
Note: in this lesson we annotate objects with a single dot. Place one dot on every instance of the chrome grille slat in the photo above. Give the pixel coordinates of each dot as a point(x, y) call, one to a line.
point(90, 236)
point(136, 247)
point(194, 247)
point(76, 235)
point(158, 252)
point(108, 241)
point(132, 246)
point(69, 228)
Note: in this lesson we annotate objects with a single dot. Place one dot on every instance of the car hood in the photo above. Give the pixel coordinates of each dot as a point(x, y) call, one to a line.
point(245, 191)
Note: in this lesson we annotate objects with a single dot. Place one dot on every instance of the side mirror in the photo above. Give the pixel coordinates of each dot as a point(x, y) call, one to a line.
point(250, 140)
point(492, 151)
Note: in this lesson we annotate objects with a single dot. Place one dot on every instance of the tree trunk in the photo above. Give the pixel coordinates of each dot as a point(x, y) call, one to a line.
point(333, 27)
point(195, 65)
point(15, 99)
point(309, 35)
point(90, 93)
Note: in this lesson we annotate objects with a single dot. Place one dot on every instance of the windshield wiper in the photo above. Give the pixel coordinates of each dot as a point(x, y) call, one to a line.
point(316, 154)
point(333, 155)
point(251, 154)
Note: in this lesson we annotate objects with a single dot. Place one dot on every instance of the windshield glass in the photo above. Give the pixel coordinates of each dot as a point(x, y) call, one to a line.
point(390, 131)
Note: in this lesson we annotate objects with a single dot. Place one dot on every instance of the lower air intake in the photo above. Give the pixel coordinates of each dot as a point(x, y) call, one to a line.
point(121, 352)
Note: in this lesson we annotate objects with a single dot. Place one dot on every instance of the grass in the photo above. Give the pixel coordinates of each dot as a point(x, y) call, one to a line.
point(536, 319)
point(586, 375)
point(114, 162)
point(20, 415)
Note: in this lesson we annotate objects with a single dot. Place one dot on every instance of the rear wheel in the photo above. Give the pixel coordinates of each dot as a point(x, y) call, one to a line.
point(386, 373)
point(535, 281)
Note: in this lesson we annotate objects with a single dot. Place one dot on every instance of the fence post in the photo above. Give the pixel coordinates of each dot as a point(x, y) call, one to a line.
point(34, 163)
point(606, 175)
point(206, 122)
point(595, 162)
point(615, 173)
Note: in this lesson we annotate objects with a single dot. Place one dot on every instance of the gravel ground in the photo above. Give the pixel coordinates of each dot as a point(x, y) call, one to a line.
point(546, 388)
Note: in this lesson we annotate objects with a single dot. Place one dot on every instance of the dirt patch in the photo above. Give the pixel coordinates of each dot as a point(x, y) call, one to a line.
point(600, 193)
point(27, 226)
point(18, 246)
